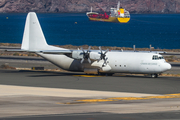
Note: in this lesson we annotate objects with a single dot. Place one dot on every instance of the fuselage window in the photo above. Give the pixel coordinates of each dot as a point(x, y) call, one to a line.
point(124, 65)
point(120, 65)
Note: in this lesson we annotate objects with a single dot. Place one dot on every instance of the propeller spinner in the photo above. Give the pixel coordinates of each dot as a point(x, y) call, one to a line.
point(103, 56)
point(86, 55)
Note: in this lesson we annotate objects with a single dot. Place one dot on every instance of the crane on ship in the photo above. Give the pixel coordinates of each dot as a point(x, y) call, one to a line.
point(105, 15)
point(117, 15)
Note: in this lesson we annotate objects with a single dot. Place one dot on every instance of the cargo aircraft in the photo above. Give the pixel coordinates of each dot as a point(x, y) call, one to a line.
point(90, 61)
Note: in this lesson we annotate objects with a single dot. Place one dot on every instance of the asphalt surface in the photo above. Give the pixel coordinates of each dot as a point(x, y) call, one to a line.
point(134, 84)
point(28, 107)
point(26, 62)
point(103, 116)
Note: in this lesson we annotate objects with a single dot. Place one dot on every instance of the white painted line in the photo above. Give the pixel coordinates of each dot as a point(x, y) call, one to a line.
point(7, 90)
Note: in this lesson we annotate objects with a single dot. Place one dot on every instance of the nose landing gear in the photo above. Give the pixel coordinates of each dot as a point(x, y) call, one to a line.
point(154, 75)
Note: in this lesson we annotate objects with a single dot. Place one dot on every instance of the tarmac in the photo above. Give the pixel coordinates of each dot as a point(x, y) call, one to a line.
point(27, 94)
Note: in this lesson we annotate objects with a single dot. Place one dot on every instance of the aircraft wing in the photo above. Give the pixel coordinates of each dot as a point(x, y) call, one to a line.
point(156, 52)
point(42, 51)
point(63, 51)
point(66, 51)
point(47, 51)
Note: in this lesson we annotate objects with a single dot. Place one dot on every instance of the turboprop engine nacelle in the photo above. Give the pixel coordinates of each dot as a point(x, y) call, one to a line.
point(77, 54)
point(94, 55)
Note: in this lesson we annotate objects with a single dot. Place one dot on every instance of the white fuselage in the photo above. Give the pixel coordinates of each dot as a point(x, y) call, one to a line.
point(117, 62)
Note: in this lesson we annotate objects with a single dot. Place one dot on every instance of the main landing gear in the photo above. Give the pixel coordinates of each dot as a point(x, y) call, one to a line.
point(106, 74)
point(154, 75)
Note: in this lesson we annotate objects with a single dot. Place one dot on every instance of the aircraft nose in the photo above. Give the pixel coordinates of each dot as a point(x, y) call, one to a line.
point(168, 66)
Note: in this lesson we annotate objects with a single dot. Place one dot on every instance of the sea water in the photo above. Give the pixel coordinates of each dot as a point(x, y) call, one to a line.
point(160, 30)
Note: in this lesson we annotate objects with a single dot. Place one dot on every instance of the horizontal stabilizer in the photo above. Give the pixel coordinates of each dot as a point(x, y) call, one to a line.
point(20, 50)
point(15, 50)
point(56, 51)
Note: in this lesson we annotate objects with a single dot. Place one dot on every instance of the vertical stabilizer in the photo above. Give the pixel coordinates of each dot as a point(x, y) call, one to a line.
point(33, 38)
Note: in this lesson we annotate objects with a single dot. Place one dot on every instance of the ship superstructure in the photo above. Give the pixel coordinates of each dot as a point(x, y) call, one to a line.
point(117, 15)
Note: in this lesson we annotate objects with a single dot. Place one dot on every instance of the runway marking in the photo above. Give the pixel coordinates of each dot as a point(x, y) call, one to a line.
point(60, 92)
point(174, 94)
point(167, 96)
point(107, 96)
point(88, 76)
point(96, 75)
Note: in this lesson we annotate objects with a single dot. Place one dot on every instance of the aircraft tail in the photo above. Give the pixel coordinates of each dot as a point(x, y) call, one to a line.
point(33, 38)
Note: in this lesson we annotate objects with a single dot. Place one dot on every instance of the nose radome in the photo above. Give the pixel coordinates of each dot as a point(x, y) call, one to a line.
point(168, 66)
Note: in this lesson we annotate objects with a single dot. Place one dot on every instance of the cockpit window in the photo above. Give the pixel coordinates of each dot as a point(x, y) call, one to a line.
point(161, 57)
point(155, 57)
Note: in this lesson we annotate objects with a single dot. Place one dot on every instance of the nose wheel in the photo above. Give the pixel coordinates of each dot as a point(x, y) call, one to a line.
point(154, 75)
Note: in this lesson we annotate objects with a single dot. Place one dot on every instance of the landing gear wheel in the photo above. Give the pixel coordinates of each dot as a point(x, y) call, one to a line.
point(110, 74)
point(102, 74)
point(106, 74)
point(154, 75)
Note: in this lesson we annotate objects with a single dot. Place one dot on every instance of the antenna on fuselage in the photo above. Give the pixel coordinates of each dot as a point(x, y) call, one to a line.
point(150, 47)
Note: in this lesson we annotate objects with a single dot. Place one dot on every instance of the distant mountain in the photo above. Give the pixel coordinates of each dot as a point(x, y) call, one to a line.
point(54, 6)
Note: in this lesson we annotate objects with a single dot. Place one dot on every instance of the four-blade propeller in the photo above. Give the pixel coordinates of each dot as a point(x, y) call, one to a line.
point(86, 55)
point(103, 56)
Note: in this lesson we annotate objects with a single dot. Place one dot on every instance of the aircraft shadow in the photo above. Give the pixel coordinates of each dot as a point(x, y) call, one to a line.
point(74, 74)
point(43, 73)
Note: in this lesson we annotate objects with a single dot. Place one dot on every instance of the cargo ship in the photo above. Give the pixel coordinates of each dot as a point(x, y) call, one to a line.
point(117, 15)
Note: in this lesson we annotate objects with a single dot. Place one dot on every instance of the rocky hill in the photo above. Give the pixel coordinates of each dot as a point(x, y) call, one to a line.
point(54, 6)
